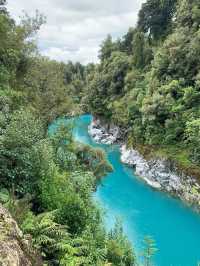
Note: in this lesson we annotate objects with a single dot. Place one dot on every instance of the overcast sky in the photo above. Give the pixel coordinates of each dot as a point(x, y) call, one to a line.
point(75, 28)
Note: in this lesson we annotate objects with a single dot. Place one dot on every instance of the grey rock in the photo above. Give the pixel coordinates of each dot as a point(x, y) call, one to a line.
point(158, 173)
point(103, 134)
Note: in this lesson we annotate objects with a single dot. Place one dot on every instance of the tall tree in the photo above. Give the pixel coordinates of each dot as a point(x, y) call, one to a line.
point(107, 48)
point(155, 17)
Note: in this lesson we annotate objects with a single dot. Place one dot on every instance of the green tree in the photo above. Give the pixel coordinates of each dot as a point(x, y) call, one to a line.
point(142, 52)
point(193, 137)
point(149, 250)
point(22, 133)
point(155, 17)
point(46, 90)
point(107, 48)
point(126, 42)
point(119, 250)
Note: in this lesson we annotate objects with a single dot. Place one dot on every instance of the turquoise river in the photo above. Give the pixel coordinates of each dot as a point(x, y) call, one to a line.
point(143, 210)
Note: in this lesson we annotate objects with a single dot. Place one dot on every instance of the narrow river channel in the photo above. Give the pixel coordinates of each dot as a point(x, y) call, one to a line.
point(144, 211)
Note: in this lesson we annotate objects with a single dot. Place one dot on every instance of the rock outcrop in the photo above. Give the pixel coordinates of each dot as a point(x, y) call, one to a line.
point(103, 134)
point(13, 246)
point(157, 172)
point(162, 174)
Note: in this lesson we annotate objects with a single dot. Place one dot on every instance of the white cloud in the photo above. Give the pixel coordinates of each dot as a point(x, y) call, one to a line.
point(83, 54)
point(75, 28)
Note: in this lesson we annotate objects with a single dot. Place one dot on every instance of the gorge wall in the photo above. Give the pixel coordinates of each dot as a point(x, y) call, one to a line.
point(159, 173)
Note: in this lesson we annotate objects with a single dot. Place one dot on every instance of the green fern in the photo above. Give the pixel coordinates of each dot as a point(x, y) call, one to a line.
point(44, 231)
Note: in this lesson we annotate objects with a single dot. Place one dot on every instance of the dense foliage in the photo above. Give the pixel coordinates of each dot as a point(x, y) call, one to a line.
point(47, 180)
point(149, 81)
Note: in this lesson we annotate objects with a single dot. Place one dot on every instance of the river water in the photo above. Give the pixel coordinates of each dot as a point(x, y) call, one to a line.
point(143, 210)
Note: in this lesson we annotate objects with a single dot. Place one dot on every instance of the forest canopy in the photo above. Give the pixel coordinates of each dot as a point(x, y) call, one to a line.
point(147, 82)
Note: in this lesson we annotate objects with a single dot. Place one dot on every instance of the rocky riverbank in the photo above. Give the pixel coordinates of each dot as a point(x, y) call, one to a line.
point(105, 134)
point(159, 173)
